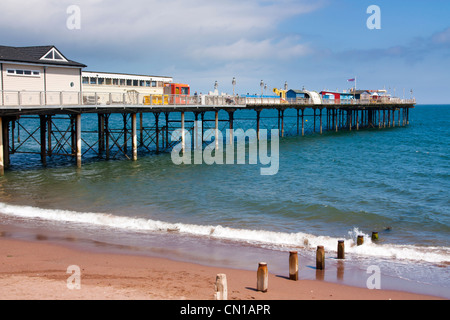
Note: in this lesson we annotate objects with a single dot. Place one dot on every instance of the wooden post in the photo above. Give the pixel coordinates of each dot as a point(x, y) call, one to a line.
point(262, 282)
point(293, 265)
point(258, 119)
point(298, 122)
point(282, 122)
point(221, 287)
point(2, 163)
point(134, 136)
point(340, 250)
point(360, 240)
point(78, 126)
point(374, 236)
point(320, 258)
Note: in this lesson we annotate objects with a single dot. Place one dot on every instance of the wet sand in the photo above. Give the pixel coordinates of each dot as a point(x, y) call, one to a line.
point(31, 270)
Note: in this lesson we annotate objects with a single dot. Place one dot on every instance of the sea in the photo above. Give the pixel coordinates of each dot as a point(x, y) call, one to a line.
point(329, 187)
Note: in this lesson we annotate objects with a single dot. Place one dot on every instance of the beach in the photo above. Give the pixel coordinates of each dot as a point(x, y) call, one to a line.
point(32, 270)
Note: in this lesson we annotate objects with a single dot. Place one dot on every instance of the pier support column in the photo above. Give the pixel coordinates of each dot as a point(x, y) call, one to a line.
point(156, 131)
point(336, 120)
point(101, 133)
point(134, 136)
point(183, 137)
point(231, 119)
point(216, 128)
point(78, 132)
point(303, 122)
point(320, 114)
point(2, 163)
point(43, 128)
point(357, 120)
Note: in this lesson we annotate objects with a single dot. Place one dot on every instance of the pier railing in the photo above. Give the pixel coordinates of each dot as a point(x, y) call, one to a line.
point(133, 98)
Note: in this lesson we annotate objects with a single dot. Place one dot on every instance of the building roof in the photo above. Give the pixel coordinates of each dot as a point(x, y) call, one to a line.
point(36, 55)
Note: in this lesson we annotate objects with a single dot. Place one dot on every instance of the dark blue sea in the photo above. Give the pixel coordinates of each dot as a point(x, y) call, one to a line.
point(328, 187)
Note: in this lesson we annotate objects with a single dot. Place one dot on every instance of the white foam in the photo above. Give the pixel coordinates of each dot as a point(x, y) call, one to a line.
point(261, 237)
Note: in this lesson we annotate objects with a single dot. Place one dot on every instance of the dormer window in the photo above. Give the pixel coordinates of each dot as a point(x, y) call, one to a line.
point(53, 55)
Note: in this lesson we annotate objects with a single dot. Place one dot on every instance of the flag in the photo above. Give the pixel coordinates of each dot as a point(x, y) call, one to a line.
point(351, 80)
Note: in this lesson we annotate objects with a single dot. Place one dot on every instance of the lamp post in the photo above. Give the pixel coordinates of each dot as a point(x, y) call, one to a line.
point(216, 86)
point(233, 82)
point(285, 85)
point(262, 87)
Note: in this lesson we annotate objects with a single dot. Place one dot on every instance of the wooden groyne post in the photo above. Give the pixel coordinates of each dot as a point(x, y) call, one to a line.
point(221, 287)
point(320, 258)
point(262, 282)
point(293, 265)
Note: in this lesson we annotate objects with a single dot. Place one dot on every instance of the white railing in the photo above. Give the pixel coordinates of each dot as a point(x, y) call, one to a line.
point(65, 98)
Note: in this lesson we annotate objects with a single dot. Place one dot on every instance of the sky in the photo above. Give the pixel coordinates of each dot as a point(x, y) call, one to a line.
point(314, 45)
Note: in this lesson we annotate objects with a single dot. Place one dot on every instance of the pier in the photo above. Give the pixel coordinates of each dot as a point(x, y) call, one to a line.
point(50, 124)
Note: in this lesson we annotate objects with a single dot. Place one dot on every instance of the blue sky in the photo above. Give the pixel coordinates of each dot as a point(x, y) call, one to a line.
point(316, 44)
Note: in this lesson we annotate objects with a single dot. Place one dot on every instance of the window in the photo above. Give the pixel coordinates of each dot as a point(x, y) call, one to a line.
point(93, 80)
point(147, 83)
point(122, 82)
point(53, 54)
point(129, 82)
point(142, 83)
point(108, 81)
point(85, 80)
point(20, 72)
point(101, 81)
point(153, 84)
point(115, 82)
point(135, 83)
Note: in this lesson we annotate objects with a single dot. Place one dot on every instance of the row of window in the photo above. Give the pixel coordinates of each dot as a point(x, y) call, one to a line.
point(20, 72)
point(122, 82)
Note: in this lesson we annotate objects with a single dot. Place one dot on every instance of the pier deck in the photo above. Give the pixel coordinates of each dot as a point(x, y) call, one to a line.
point(51, 138)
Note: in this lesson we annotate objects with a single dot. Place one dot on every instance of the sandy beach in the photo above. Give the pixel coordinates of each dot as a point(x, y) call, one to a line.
point(38, 271)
